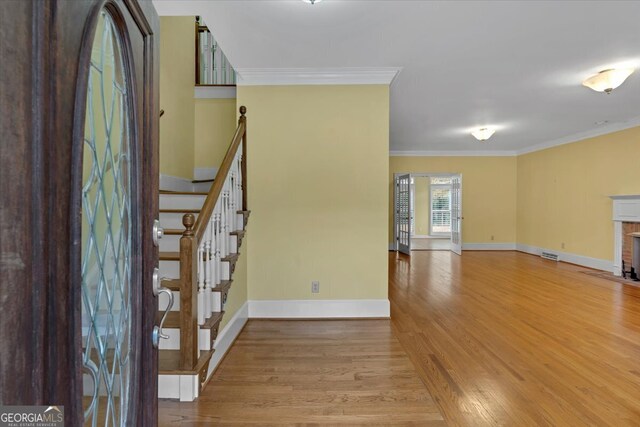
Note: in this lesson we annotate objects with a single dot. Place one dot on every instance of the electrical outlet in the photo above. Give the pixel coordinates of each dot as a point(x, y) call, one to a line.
point(562, 245)
point(492, 237)
point(315, 287)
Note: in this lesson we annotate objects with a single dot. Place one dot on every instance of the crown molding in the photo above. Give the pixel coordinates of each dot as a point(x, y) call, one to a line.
point(576, 137)
point(429, 153)
point(601, 130)
point(316, 76)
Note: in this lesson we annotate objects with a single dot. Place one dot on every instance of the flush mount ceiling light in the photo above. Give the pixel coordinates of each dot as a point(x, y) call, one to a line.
point(312, 1)
point(483, 134)
point(608, 80)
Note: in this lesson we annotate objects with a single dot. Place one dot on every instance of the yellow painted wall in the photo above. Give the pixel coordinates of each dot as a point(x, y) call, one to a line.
point(177, 71)
point(215, 124)
point(317, 169)
point(238, 293)
point(488, 193)
point(422, 210)
point(563, 192)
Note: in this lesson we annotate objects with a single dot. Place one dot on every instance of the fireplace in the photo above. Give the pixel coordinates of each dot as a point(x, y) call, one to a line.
point(626, 217)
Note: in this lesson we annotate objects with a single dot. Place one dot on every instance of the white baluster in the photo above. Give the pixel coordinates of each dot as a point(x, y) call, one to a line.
point(228, 219)
point(217, 262)
point(206, 307)
point(200, 286)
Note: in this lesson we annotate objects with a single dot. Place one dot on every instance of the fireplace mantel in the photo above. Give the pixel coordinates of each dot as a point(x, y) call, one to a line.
point(626, 208)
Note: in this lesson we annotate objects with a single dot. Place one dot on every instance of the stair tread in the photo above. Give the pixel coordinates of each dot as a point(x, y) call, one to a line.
point(174, 231)
point(173, 319)
point(231, 257)
point(215, 318)
point(174, 285)
point(169, 256)
point(241, 212)
point(179, 210)
point(223, 286)
point(169, 362)
point(183, 193)
point(239, 233)
point(171, 284)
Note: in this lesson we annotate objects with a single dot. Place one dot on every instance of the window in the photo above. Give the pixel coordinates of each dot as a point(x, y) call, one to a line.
point(440, 205)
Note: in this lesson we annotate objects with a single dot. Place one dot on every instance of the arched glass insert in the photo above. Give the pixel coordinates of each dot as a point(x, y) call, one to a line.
point(106, 233)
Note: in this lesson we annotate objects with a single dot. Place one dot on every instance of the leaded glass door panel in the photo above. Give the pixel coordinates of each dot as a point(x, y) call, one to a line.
point(118, 369)
point(79, 195)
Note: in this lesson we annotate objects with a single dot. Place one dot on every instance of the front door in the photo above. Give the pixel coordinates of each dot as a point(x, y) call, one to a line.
point(79, 170)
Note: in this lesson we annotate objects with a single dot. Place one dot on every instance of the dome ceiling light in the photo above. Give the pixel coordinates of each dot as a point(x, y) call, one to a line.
point(483, 134)
point(312, 1)
point(607, 80)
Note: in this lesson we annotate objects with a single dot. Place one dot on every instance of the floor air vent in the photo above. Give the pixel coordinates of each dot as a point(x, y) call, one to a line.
point(549, 255)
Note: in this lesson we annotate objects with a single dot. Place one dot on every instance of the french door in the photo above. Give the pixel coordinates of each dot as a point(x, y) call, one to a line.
point(403, 211)
point(456, 214)
point(79, 179)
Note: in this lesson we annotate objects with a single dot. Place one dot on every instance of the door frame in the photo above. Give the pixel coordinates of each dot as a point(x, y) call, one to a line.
point(394, 245)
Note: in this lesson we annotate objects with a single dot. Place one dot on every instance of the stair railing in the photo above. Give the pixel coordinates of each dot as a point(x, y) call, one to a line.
point(206, 242)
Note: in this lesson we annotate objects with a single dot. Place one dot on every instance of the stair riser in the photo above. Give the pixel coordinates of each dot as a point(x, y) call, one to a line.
point(183, 387)
point(173, 343)
point(171, 243)
point(240, 221)
point(170, 269)
point(172, 220)
point(181, 201)
point(163, 301)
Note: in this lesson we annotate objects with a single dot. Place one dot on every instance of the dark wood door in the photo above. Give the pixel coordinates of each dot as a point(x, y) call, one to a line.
point(78, 197)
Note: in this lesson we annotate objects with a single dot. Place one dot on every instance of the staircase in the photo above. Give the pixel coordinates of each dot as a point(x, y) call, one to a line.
point(203, 234)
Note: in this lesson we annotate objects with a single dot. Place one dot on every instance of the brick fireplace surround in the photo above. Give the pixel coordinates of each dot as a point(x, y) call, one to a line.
point(627, 243)
point(626, 217)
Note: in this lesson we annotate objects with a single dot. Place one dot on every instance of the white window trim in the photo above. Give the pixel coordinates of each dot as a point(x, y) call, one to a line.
point(437, 187)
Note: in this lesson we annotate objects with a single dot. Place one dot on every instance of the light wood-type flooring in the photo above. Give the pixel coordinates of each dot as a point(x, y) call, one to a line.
point(313, 372)
point(489, 338)
point(506, 338)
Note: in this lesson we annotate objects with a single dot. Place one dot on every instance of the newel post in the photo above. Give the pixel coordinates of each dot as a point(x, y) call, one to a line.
point(188, 297)
point(243, 118)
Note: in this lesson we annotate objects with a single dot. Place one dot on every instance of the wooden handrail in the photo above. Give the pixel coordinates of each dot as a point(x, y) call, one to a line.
point(190, 240)
point(214, 193)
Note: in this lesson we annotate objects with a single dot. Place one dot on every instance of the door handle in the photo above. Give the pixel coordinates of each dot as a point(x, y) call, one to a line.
point(157, 290)
point(157, 232)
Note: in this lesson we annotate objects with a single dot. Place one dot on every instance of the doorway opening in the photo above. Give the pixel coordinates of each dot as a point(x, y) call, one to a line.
point(428, 210)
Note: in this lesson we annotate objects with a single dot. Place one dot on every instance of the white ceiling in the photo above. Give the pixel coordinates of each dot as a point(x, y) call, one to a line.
point(515, 65)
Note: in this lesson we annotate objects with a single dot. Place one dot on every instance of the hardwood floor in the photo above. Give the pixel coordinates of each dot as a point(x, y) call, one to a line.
point(505, 338)
point(334, 372)
point(499, 338)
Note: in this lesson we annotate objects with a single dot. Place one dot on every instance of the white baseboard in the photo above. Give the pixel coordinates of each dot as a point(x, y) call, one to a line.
point(585, 261)
point(488, 246)
point(392, 247)
point(301, 309)
point(175, 183)
point(227, 336)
